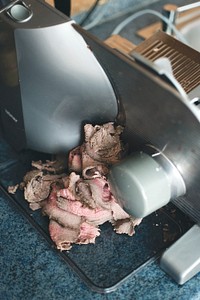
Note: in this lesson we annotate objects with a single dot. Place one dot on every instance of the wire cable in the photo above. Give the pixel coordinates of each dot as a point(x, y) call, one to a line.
point(138, 14)
point(89, 13)
point(98, 18)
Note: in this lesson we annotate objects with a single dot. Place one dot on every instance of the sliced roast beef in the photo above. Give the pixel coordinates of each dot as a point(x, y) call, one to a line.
point(75, 160)
point(96, 215)
point(37, 185)
point(124, 226)
point(78, 203)
point(64, 218)
point(56, 166)
point(88, 233)
point(103, 142)
point(63, 237)
point(102, 147)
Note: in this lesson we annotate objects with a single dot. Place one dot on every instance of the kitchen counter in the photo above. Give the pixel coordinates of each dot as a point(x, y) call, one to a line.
point(30, 269)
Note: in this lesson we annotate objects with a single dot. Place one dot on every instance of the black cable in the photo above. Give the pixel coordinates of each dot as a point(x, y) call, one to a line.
point(91, 10)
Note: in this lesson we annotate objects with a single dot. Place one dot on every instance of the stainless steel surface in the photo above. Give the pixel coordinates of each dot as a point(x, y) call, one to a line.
point(52, 77)
point(173, 126)
point(6, 4)
point(156, 114)
point(65, 88)
point(177, 184)
point(171, 11)
point(191, 31)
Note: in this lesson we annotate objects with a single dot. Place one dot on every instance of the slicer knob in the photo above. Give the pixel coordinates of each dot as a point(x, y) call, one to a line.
point(19, 12)
point(143, 184)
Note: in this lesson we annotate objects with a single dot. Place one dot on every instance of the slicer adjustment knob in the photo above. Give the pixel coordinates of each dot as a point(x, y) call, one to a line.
point(19, 13)
point(143, 183)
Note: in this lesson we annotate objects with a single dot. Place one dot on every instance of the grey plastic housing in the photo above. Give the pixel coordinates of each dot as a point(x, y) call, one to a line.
point(182, 260)
point(140, 184)
point(144, 182)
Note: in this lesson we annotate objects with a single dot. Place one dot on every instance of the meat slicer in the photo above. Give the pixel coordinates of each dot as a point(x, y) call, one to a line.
point(55, 76)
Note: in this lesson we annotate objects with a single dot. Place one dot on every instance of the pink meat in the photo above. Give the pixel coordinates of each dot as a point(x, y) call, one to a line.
point(78, 203)
point(70, 191)
point(88, 233)
point(101, 192)
point(75, 160)
point(64, 218)
point(63, 237)
point(95, 216)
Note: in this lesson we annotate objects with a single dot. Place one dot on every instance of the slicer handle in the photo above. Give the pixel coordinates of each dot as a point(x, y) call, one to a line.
point(182, 260)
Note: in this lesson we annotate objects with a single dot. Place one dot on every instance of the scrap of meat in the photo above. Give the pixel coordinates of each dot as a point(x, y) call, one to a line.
point(64, 237)
point(52, 166)
point(79, 202)
point(13, 188)
point(37, 185)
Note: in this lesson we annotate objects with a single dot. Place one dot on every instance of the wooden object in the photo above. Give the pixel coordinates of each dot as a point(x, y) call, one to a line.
point(121, 44)
point(189, 16)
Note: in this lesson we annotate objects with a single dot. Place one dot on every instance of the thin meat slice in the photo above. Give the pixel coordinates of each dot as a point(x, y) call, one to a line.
point(75, 160)
point(80, 162)
point(102, 142)
point(92, 168)
point(95, 216)
point(36, 188)
point(102, 147)
point(84, 194)
point(69, 192)
point(64, 218)
point(88, 233)
point(63, 237)
point(78, 203)
point(126, 226)
point(37, 185)
point(56, 166)
point(77, 189)
point(101, 192)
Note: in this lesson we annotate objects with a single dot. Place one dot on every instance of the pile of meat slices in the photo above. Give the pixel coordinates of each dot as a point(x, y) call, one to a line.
point(77, 203)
